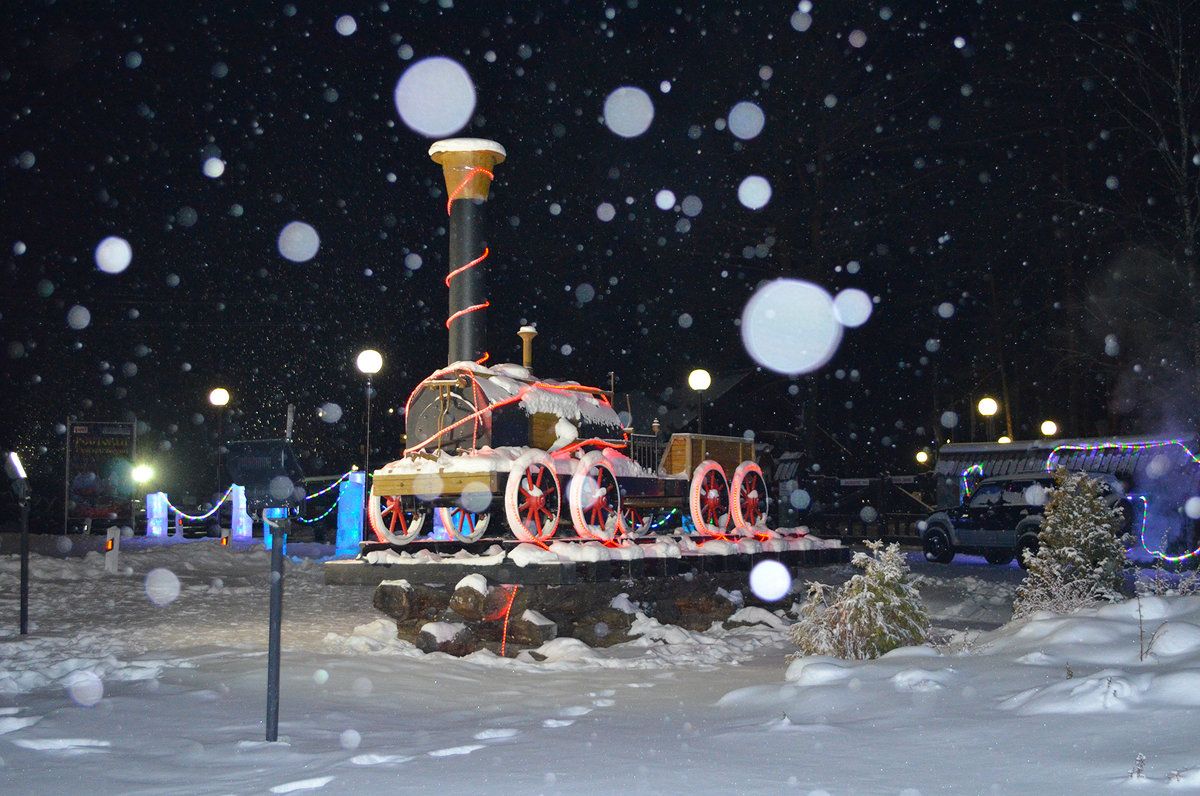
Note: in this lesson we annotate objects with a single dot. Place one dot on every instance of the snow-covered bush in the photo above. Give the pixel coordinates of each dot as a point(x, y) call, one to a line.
point(1081, 553)
point(870, 614)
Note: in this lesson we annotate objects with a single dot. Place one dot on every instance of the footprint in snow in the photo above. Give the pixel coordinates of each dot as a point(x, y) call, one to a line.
point(13, 723)
point(578, 710)
point(379, 760)
point(456, 750)
point(302, 784)
point(68, 745)
point(555, 723)
point(495, 735)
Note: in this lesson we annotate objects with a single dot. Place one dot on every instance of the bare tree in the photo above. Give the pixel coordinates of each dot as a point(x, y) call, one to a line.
point(1144, 73)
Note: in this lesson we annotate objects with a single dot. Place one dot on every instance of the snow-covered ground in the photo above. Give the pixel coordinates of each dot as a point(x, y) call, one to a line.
point(154, 681)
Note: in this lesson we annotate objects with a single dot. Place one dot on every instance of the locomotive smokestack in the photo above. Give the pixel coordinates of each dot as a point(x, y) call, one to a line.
point(467, 165)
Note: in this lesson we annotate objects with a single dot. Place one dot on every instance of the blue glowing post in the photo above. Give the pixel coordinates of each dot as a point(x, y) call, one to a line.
point(350, 513)
point(156, 515)
point(271, 517)
point(242, 526)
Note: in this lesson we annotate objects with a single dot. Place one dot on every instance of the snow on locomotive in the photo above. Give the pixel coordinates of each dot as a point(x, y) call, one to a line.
point(482, 439)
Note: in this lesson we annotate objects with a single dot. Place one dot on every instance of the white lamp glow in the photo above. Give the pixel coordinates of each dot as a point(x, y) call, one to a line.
point(369, 361)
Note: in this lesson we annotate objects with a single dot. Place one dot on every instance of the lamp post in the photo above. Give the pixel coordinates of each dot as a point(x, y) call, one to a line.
point(219, 398)
point(699, 380)
point(20, 487)
point(369, 362)
point(988, 408)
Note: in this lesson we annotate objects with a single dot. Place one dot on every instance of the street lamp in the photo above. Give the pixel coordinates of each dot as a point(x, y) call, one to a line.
point(922, 457)
point(369, 362)
point(1049, 428)
point(699, 380)
point(988, 408)
point(219, 398)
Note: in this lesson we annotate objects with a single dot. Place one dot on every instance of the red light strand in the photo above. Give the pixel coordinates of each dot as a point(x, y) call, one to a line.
point(470, 174)
point(507, 610)
point(449, 203)
point(450, 276)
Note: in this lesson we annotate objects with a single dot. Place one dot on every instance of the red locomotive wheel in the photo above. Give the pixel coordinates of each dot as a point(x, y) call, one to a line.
point(395, 519)
point(532, 498)
point(464, 526)
point(708, 498)
point(748, 500)
point(595, 498)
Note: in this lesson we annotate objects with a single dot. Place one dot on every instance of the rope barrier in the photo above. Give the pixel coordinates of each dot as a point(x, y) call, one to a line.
point(199, 517)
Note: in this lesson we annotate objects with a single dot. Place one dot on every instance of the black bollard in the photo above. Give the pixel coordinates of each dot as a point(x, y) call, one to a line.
point(277, 536)
point(24, 498)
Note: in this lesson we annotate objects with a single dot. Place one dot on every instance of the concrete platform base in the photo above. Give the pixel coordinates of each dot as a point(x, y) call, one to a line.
point(359, 572)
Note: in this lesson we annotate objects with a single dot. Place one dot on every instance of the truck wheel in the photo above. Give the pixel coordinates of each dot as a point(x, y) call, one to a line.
point(1029, 543)
point(937, 547)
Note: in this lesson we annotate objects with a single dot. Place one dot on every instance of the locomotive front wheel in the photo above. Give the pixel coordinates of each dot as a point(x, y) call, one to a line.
point(462, 525)
point(708, 499)
point(395, 519)
point(595, 498)
point(748, 498)
point(532, 498)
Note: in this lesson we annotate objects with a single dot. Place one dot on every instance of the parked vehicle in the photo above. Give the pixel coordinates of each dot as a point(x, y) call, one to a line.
point(1002, 516)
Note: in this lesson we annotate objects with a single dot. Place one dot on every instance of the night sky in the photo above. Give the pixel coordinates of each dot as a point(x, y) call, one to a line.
point(970, 167)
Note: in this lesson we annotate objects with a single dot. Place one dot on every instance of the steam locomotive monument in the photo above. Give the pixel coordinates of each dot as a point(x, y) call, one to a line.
point(495, 444)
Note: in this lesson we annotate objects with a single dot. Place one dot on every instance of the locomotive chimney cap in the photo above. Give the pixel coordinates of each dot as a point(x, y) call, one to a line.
point(440, 148)
point(467, 165)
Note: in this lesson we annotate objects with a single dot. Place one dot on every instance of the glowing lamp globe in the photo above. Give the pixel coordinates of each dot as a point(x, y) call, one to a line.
point(219, 397)
point(369, 361)
point(1049, 428)
point(699, 380)
point(988, 407)
point(922, 457)
point(142, 473)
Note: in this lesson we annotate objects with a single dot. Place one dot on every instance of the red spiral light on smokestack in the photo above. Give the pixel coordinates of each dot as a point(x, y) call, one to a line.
point(467, 165)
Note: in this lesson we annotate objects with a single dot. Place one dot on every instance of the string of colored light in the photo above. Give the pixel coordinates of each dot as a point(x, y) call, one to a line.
point(199, 517)
point(1124, 447)
point(345, 475)
point(1131, 447)
point(964, 487)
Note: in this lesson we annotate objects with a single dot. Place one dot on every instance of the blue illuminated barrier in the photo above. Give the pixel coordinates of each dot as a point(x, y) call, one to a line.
point(350, 513)
point(349, 504)
point(158, 509)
